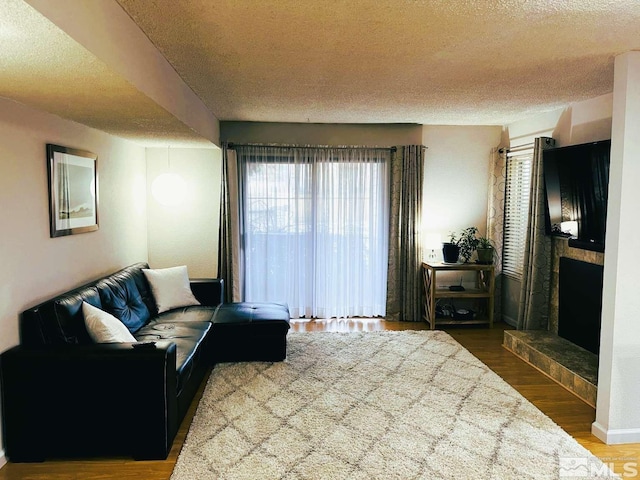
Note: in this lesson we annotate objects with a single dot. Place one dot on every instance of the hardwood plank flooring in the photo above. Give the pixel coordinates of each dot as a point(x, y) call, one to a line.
point(560, 405)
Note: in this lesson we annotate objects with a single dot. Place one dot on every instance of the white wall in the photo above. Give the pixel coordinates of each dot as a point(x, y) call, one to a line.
point(456, 182)
point(33, 266)
point(186, 234)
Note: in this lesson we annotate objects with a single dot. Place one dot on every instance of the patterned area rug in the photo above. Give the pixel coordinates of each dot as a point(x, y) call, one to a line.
point(387, 405)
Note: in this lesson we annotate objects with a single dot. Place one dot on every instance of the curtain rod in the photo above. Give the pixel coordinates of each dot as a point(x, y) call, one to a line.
point(516, 149)
point(232, 146)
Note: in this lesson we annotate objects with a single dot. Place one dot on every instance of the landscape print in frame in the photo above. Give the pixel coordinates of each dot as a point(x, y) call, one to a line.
point(73, 190)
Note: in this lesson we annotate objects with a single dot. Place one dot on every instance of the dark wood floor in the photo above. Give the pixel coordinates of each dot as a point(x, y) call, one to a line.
point(564, 408)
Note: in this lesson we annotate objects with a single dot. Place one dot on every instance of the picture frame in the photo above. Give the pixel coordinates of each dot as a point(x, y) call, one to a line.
point(73, 190)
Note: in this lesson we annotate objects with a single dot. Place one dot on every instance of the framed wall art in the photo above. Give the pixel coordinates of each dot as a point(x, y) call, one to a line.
point(73, 190)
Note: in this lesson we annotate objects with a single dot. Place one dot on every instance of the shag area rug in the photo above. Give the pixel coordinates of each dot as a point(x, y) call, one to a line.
point(385, 405)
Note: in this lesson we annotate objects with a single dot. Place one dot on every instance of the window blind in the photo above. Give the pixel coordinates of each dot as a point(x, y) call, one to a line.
point(516, 213)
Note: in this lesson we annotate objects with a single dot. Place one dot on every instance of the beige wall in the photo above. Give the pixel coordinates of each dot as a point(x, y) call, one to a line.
point(186, 234)
point(321, 133)
point(33, 266)
point(456, 180)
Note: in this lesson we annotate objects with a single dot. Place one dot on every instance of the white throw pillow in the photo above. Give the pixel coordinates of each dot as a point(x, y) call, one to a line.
point(104, 327)
point(170, 287)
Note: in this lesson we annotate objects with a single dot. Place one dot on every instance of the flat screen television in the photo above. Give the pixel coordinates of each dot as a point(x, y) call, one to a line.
point(576, 187)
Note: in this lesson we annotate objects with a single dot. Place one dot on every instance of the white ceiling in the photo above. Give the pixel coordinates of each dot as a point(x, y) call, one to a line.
point(484, 62)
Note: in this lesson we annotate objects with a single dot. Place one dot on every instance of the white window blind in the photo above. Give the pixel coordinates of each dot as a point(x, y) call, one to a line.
point(516, 210)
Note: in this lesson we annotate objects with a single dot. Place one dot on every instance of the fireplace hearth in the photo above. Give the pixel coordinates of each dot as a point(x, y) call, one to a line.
point(575, 309)
point(571, 366)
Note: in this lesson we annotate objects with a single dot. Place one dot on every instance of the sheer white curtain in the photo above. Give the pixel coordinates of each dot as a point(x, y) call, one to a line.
point(315, 228)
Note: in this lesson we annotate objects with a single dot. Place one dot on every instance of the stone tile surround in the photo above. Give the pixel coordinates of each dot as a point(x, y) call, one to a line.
point(560, 248)
point(568, 364)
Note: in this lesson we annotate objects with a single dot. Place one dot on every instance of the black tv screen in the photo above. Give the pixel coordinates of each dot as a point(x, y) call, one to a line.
point(576, 186)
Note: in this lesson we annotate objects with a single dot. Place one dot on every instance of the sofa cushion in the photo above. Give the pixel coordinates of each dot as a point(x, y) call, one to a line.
point(120, 297)
point(104, 327)
point(170, 287)
point(188, 329)
point(135, 272)
point(198, 313)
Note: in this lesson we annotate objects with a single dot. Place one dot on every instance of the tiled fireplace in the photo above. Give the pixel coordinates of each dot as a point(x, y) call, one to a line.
point(572, 366)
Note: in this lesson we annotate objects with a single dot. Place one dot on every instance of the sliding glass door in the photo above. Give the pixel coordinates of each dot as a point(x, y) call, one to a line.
point(315, 229)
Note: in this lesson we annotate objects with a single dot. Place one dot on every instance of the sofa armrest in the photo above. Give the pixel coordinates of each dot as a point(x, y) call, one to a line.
point(208, 291)
point(93, 399)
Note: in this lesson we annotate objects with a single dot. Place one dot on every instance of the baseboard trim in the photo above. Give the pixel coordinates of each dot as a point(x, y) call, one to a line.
point(3, 459)
point(616, 436)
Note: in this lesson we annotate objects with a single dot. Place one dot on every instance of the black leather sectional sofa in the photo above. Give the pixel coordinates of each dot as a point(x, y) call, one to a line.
point(65, 396)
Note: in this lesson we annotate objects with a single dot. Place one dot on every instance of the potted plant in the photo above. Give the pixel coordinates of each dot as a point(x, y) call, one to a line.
point(485, 250)
point(467, 243)
point(450, 249)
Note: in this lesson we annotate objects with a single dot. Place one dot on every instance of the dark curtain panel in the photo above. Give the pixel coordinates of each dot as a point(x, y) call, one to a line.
point(533, 313)
point(225, 241)
point(405, 290)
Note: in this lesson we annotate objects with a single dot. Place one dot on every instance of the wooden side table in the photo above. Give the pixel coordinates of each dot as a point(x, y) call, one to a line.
point(483, 291)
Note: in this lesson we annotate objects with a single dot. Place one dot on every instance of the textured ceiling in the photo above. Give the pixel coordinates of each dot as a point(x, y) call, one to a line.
point(42, 67)
point(431, 62)
point(463, 62)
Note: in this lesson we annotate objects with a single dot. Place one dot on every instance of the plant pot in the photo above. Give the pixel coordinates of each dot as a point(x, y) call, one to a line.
point(450, 252)
point(485, 255)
